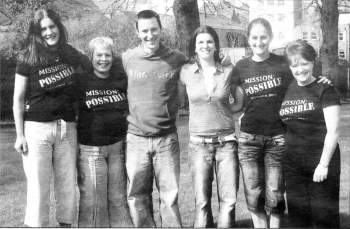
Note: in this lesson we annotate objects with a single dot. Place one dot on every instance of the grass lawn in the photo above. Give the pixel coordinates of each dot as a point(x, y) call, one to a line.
point(13, 182)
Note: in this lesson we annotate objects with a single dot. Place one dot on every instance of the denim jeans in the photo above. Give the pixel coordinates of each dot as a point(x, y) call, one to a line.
point(52, 148)
point(103, 182)
point(261, 160)
point(312, 204)
point(205, 159)
point(158, 157)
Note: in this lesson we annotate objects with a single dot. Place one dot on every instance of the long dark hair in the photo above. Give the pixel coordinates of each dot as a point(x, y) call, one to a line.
point(192, 43)
point(35, 50)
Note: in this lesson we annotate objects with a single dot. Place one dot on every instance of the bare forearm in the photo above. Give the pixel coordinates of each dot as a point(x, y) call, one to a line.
point(18, 112)
point(330, 144)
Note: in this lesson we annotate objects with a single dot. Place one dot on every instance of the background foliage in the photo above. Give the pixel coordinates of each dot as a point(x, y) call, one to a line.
point(81, 30)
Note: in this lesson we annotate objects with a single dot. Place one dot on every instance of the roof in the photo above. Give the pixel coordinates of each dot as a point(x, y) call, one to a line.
point(219, 21)
point(3, 17)
point(5, 14)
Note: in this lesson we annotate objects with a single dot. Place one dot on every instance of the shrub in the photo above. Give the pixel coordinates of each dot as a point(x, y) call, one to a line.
point(120, 28)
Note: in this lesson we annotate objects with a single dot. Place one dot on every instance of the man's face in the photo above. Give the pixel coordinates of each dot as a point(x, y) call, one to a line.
point(150, 33)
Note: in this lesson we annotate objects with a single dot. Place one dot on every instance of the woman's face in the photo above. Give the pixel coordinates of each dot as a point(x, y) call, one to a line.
point(302, 70)
point(205, 46)
point(102, 60)
point(259, 39)
point(49, 31)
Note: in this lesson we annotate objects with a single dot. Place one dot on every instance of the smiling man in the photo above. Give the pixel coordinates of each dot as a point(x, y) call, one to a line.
point(152, 140)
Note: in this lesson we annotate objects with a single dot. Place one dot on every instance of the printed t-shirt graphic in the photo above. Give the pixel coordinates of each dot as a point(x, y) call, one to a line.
point(264, 84)
point(102, 107)
point(302, 111)
point(51, 92)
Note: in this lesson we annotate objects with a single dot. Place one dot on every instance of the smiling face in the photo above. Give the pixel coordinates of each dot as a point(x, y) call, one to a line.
point(150, 33)
point(102, 60)
point(49, 31)
point(205, 46)
point(259, 40)
point(302, 70)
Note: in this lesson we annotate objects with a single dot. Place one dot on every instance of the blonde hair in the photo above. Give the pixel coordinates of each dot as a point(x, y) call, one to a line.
point(100, 41)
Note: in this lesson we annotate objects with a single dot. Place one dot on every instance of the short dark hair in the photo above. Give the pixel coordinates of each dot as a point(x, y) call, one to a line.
point(261, 21)
point(192, 43)
point(302, 48)
point(147, 14)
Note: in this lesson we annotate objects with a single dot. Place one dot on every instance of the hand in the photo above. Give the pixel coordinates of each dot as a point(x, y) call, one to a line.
point(323, 79)
point(226, 59)
point(320, 174)
point(21, 145)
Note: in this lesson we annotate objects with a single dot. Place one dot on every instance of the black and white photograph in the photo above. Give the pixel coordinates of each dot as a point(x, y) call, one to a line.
point(175, 113)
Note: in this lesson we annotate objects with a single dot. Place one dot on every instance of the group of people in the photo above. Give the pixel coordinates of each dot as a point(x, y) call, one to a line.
point(125, 136)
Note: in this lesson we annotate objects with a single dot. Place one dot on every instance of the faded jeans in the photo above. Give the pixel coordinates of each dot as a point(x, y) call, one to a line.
point(158, 157)
point(52, 149)
point(102, 182)
point(205, 159)
point(261, 160)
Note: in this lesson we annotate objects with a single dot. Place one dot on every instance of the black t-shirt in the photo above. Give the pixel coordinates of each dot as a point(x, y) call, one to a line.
point(51, 87)
point(102, 109)
point(302, 112)
point(264, 84)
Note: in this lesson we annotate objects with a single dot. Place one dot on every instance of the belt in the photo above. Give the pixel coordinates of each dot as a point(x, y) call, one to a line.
point(219, 139)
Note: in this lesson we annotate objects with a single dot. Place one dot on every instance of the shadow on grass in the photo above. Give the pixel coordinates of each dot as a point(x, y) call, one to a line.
point(344, 221)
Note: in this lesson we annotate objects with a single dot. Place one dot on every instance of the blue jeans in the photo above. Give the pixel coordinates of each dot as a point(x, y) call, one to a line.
point(205, 159)
point(102, 182)
point(52, 150)
point(158, 156)
point(261, 160)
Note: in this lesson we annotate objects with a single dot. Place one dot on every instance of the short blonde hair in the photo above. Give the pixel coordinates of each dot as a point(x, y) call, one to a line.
point(100, 41)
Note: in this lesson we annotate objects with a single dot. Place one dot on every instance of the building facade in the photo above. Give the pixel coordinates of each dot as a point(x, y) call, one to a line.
point(279, 13)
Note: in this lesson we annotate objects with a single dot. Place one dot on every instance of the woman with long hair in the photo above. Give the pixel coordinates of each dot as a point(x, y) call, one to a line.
point(45, 119)
point(213, 145)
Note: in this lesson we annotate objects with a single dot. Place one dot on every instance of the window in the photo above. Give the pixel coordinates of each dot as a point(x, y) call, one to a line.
point(341, 36)
point(270, 2)
point(271, 17)
point(281, 35)
point(341, 54)
point(280, 2)
point(280, 17)
point(305, 36)
point(313, 36)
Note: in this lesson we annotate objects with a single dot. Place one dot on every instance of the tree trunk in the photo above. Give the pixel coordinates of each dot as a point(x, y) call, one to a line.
point(329, 48)
point(187, 20)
